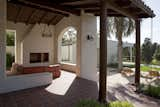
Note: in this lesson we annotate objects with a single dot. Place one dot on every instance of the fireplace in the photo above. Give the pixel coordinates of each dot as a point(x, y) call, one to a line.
point(39, 57)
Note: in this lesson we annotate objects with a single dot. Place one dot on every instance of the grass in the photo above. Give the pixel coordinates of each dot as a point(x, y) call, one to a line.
point(147, 68)
point(93, 103)
point(153, 91)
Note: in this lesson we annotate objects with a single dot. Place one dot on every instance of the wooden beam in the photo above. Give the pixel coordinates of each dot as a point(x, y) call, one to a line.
point(51, 6)
point(18, 3)
point(138, 53)
point(18, 14)
point(120, 10)
point(30, 16)
point(103, 52)
point(50, 21)
point(43, 16)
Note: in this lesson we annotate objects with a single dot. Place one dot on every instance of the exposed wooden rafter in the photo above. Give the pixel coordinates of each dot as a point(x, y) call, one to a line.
point(51, 6)
point(18, 3)
point(18, 14)
point(31, 15)
point(42, 17)
point(120, 10)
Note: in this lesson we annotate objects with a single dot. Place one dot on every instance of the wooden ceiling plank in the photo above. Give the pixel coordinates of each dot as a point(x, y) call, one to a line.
point(120, 10)
point(51, 6)
point(18, 14)
point(30, 16)
point(42, 17)
point(37, 7)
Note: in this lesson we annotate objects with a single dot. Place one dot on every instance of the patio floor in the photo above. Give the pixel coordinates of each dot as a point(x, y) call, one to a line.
point(67, 90)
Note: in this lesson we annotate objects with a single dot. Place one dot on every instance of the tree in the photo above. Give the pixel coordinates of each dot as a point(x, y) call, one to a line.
point(157, 53)
point(147, 51)
point(10, 40)
point(120, 27)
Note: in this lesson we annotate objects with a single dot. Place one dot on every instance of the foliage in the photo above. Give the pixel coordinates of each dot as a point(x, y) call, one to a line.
point(10, 39)
point(147, 51)
point(157, 53)
point(120, 27)
point(153, 91)
point(113, 65)
point(9, 60)
point(155, 62)
point(92, 103)
point(147, 68)
point(69, 37)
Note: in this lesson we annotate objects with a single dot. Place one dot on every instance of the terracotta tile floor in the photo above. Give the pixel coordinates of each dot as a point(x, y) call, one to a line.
point(67, 90)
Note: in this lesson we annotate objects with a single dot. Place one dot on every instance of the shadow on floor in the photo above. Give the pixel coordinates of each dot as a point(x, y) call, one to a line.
point(39, 97)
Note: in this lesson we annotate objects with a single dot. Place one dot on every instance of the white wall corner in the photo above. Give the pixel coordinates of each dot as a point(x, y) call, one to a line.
point(88, 47)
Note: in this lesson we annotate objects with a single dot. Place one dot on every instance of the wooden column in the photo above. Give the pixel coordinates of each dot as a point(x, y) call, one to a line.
point(2, 38)
point(138, 53)
point(103, 52)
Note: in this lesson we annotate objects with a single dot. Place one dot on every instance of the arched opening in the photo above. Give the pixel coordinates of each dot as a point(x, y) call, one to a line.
point(68, 46)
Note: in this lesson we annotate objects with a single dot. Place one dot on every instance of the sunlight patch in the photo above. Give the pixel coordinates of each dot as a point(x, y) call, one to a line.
point(61, 85)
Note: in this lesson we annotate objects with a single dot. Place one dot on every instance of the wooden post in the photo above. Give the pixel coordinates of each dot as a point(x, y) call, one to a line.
point(103, 52)
point(138, 53)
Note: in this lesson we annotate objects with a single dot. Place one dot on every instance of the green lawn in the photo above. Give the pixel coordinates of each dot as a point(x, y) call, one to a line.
point(147, 68)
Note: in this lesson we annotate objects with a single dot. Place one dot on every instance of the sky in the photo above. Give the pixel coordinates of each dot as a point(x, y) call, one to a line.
point(146, 25)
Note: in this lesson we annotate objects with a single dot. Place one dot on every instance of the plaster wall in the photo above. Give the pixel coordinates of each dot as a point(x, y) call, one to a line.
point(29, 39)
point(34, 42)
point(88, 47)
point(14, 83)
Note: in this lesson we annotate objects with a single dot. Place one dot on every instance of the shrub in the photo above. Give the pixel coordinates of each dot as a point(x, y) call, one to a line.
point(153, 91)
point(93, 103)
point(9, 60)
point(113, 65)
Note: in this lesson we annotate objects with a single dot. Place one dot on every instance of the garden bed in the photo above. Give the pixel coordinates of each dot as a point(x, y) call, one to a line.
point(93, 103)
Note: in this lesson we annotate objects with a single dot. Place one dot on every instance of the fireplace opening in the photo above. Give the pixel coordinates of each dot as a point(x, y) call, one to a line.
point(39, 57)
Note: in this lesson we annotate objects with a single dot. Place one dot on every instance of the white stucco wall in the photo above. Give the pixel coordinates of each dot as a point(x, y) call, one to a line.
point(14, 83)
point(29, 39)
point(35, 43)
point(88, 48)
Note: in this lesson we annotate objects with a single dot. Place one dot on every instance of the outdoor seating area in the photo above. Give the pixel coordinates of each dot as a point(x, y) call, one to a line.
point(54, 53)
point(18, 69)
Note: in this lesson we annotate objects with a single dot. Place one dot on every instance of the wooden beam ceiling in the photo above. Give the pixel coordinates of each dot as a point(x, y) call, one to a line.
point(51, 6)
point(18, 14)
point(31, 15)
point(18, 3)
point(120, 10)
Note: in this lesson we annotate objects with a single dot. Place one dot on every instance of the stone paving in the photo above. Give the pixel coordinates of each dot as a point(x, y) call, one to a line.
point(67, 90)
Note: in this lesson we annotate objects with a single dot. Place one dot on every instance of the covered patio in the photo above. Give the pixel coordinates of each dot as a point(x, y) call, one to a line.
point(68, 90)
point(29, 18)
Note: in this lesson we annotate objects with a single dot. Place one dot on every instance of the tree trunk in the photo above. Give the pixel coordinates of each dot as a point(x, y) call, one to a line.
point(120, 65)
